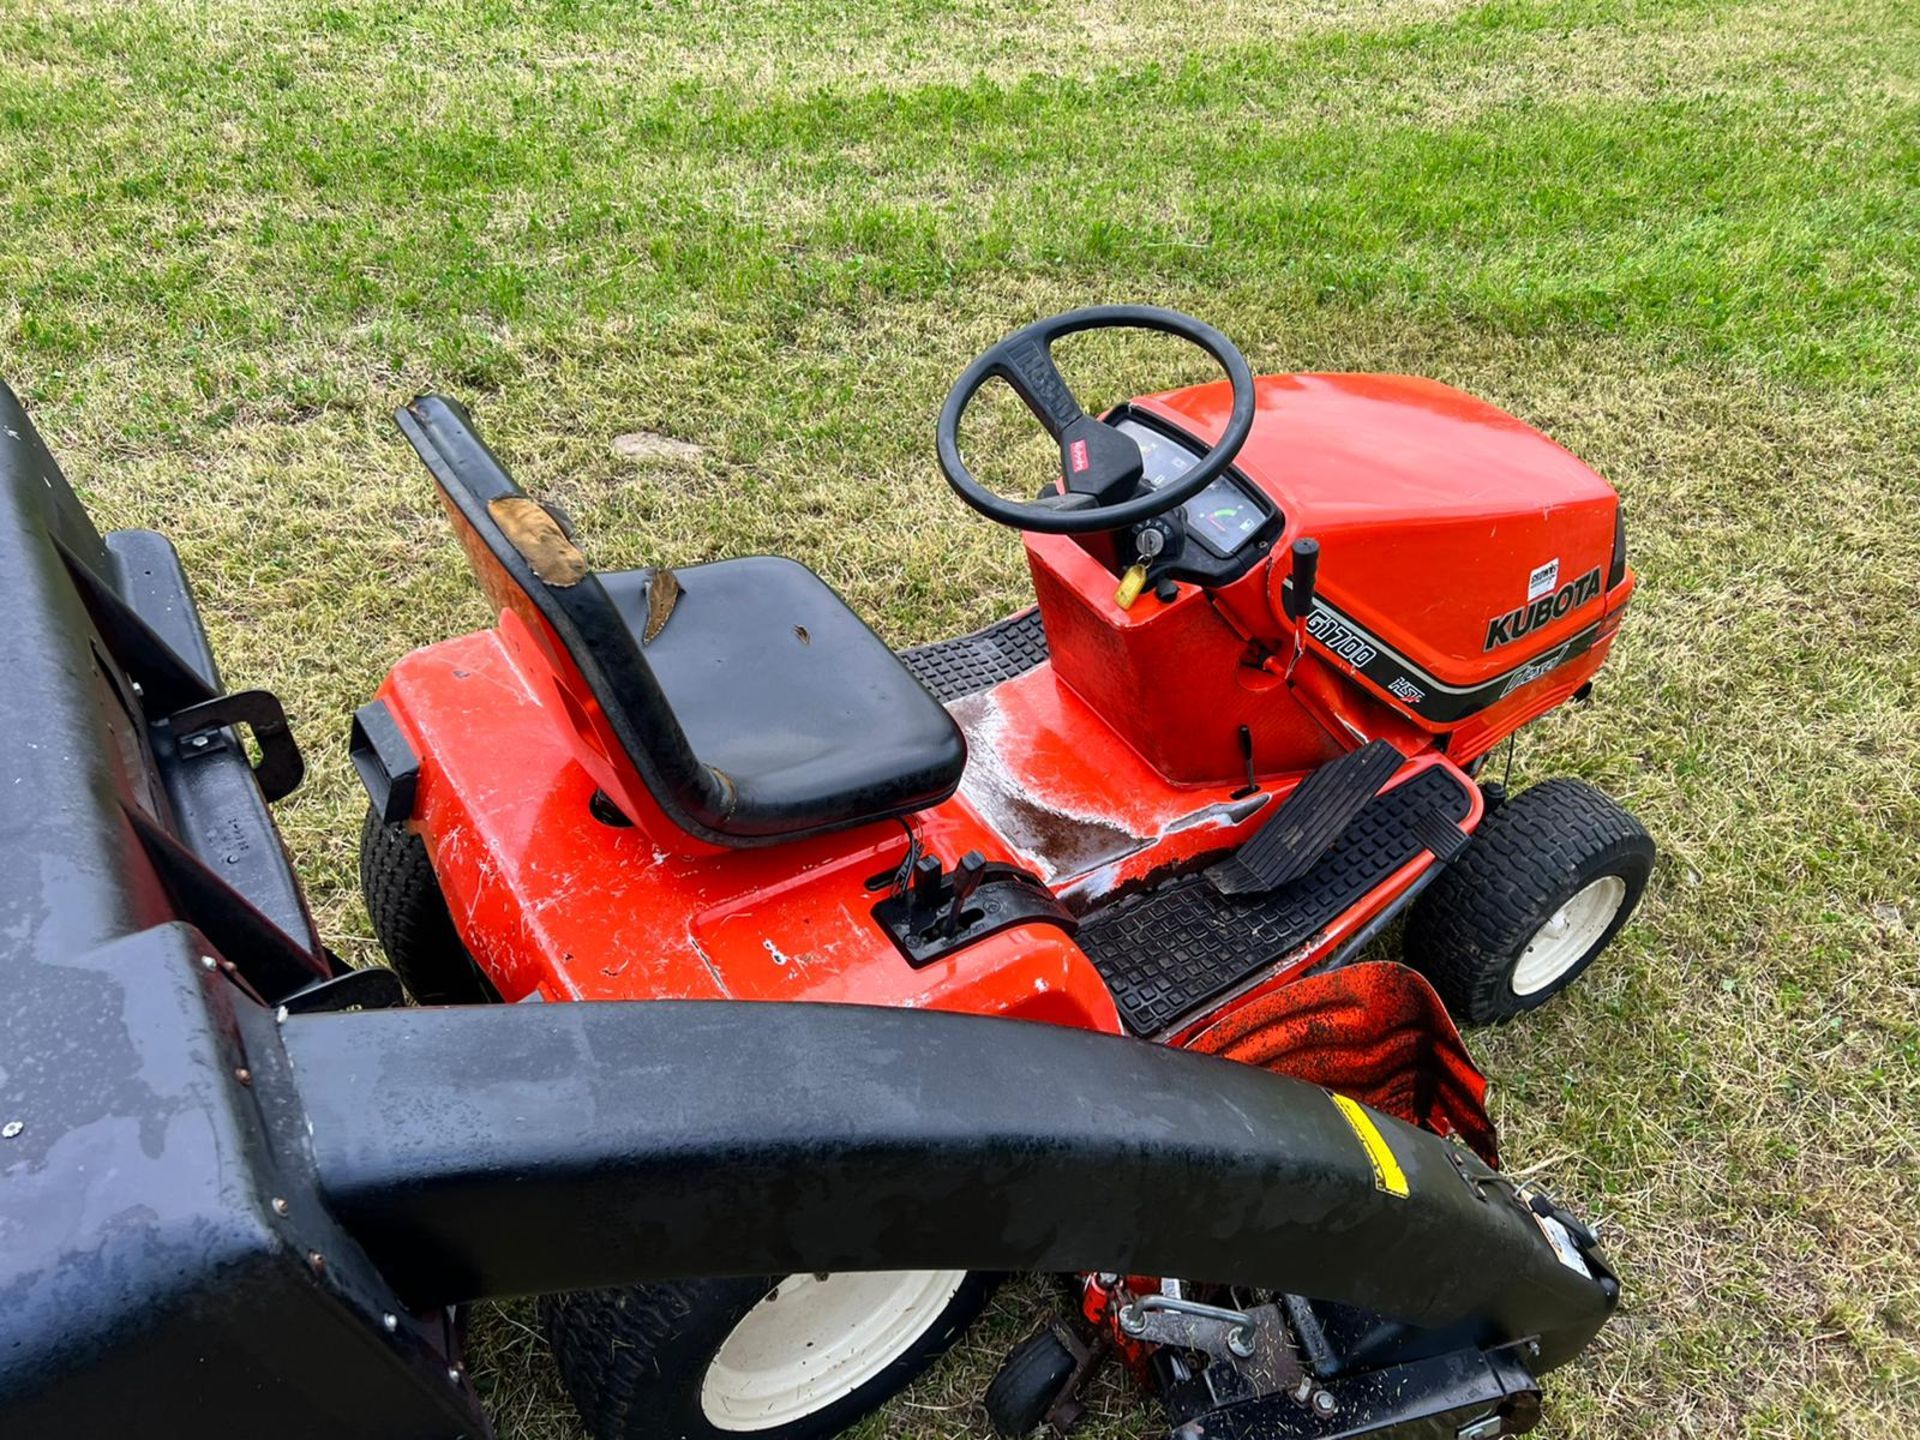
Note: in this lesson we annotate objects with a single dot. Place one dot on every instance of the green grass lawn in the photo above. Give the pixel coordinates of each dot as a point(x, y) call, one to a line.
point(1682, 238)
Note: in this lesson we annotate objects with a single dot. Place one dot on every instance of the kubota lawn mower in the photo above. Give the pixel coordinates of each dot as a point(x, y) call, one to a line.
point(1281, 623)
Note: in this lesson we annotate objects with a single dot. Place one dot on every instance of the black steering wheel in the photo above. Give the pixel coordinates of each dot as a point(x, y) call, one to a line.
point(1100, 465)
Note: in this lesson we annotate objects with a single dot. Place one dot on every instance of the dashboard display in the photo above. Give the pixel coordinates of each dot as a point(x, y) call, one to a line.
point(1223, 516)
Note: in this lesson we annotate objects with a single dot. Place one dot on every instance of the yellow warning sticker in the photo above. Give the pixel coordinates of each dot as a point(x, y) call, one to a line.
point(1387, 1174)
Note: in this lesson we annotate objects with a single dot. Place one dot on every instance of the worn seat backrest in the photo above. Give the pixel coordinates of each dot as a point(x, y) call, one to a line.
point(608, 688)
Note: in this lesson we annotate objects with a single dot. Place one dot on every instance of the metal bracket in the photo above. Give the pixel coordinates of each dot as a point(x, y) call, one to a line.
point(281, 766)
point(1189, 1325)
point(1066, 1410)
point(1272, 1367)
point(372, 988)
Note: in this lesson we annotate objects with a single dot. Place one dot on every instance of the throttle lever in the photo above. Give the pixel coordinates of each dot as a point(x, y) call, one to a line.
point(1306, 570)
point(1298, 599)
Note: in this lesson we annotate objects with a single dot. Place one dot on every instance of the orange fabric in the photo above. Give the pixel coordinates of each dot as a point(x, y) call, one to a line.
point(1376, 1033)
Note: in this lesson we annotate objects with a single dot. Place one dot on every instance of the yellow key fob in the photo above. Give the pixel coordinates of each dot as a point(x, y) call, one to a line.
point(1131, 584)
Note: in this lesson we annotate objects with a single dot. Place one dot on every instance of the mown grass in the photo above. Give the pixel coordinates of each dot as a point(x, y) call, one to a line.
point(1683, 238)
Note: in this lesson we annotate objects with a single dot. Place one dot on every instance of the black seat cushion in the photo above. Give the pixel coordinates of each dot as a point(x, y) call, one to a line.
point(786, 693)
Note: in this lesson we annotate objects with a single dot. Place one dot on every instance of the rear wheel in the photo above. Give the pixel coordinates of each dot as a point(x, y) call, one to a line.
point(784, 1358)
point(411, 921)
point(1549, 879)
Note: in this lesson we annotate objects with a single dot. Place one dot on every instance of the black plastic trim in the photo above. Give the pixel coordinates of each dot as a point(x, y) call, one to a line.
point(1209, 566)
point(147, 571)
point(167, 682)
point(1006, 897)
point(385, 761)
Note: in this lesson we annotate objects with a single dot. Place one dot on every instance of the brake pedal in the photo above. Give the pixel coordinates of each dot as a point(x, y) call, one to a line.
point(1309, 820)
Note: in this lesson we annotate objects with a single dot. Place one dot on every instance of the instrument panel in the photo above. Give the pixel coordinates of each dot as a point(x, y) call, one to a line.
point(1224, 516)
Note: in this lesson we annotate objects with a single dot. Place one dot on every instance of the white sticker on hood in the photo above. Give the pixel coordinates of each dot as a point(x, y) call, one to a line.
point(1544, 581)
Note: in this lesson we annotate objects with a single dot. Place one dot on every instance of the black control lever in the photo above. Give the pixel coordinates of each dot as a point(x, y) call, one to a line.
point(1306, 569)
point(1298, 600)
point(927, 878)
point(940, 913)
point(966, 879)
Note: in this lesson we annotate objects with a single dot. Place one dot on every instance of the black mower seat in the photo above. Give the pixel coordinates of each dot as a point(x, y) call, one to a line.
point(784, 690)
point(759, 709)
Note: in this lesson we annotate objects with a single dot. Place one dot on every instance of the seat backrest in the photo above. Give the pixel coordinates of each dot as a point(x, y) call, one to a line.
point(613, 697)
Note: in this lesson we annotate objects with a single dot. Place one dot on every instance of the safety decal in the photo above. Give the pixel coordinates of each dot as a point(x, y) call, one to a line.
point(1544, 580)
point(1564, 1248)
point(1387, 1174)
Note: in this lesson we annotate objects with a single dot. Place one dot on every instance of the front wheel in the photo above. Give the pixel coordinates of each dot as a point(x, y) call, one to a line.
point(1548, 881)
point(796, 1357)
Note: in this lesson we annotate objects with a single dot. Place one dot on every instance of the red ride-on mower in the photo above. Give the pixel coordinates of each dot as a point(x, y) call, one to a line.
point(1280, 624)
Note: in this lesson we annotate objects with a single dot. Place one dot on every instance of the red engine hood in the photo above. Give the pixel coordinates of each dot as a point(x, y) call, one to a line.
point(1438, 515)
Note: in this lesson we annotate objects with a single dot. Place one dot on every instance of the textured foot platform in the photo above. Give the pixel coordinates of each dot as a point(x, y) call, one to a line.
point(967, 664)
point(1166, 953)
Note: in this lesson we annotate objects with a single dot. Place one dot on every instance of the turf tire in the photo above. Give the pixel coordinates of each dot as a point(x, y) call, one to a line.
point(1469, 930)
point(410, 918)
point(634, 1359)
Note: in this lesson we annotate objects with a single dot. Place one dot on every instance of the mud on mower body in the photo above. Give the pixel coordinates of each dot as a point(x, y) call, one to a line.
point(242, 1188)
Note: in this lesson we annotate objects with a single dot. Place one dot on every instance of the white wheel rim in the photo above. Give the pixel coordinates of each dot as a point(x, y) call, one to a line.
point(816, 1339)
point(1573, 930)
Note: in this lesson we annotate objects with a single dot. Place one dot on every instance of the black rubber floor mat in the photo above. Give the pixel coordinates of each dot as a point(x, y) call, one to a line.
point(1166, 953)
point(970, 663)
point(1308, 821)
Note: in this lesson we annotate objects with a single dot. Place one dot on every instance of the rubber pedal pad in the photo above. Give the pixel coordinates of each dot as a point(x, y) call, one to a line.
point(1309, 820)
point(1446, 841)
point(1166, 953)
